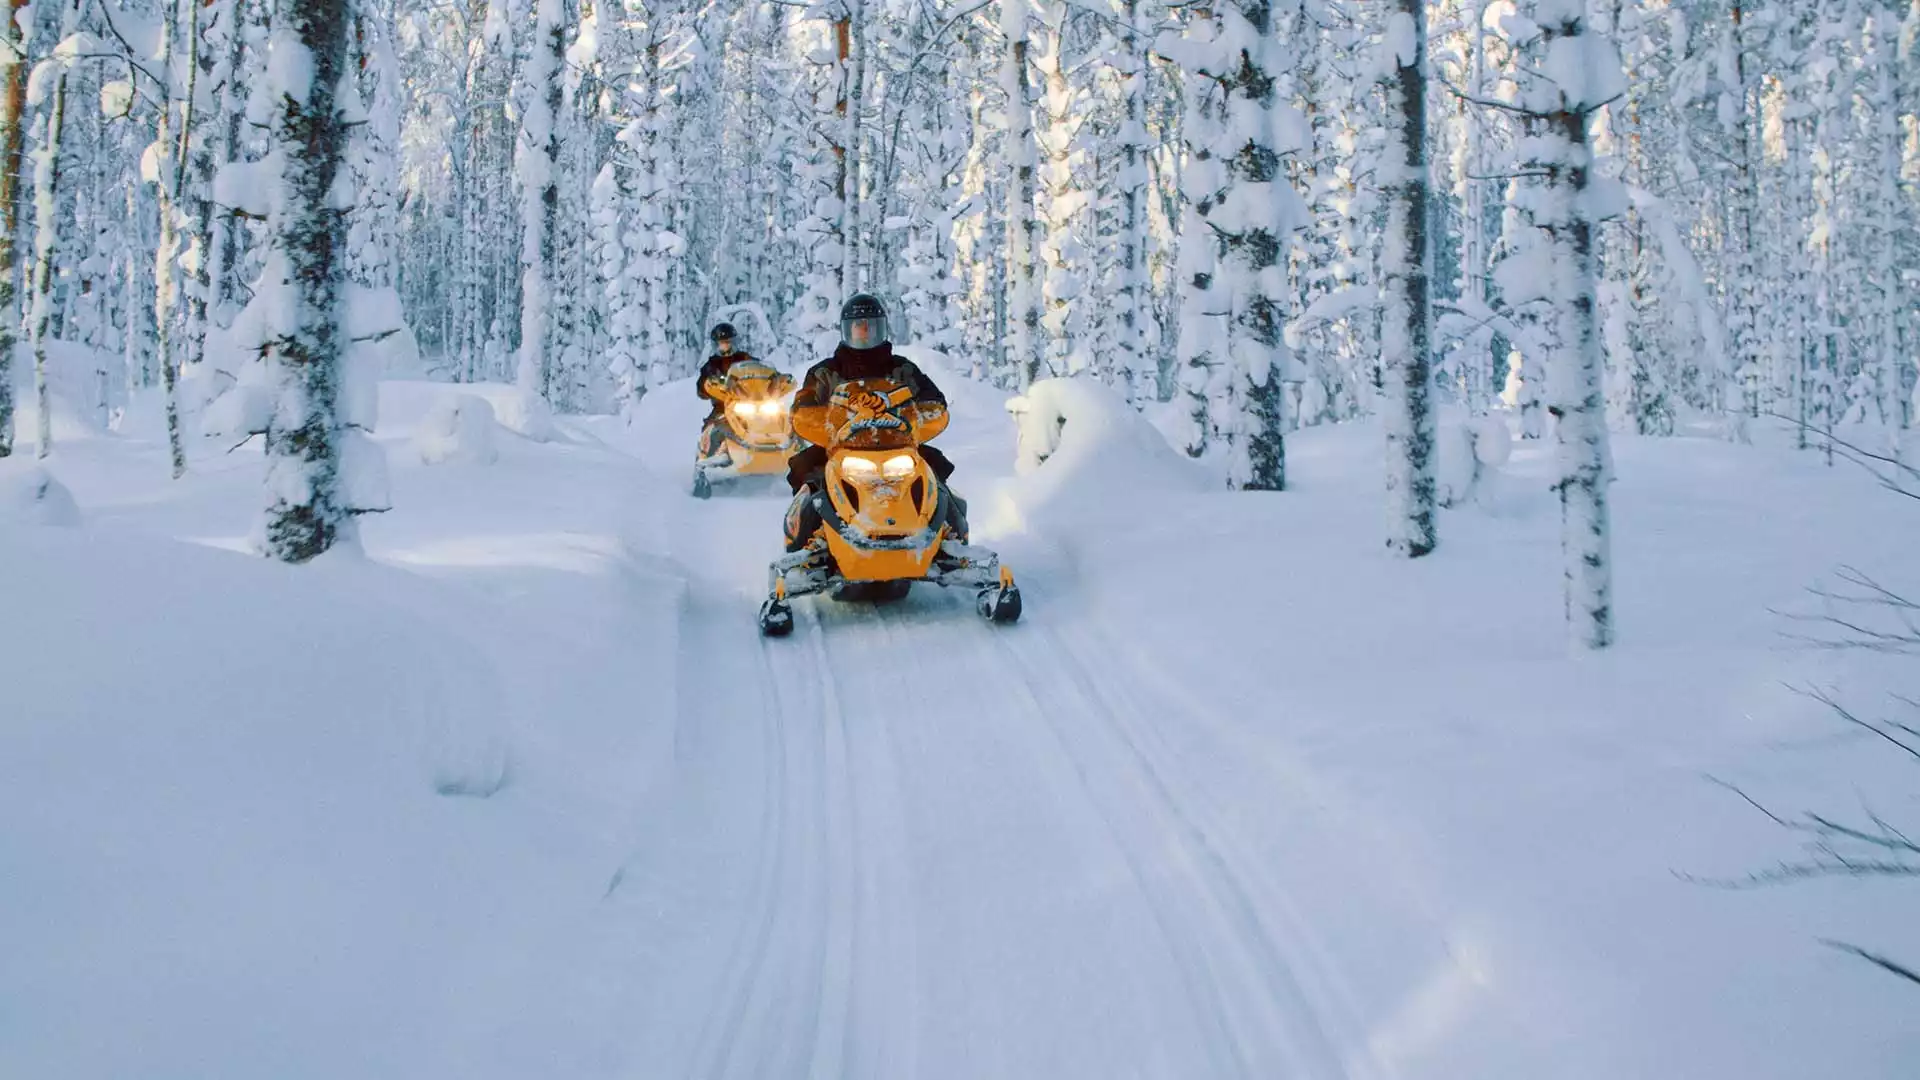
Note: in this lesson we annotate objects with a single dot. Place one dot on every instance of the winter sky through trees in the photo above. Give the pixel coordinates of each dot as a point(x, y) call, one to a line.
point(1662, 217)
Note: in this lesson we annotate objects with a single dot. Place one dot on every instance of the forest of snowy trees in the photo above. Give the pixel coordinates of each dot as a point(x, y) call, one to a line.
point(1646, 216)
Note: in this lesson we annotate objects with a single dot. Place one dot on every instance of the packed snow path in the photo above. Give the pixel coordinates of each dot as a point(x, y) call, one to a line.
point(930, 834)
point(920, 844)
point(1204, 812)
point(907, 842)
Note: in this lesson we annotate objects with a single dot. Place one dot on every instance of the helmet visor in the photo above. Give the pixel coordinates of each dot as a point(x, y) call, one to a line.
point(863, 333)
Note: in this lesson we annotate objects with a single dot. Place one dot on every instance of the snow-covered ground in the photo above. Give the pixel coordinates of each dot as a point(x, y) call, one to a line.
point(522, 792)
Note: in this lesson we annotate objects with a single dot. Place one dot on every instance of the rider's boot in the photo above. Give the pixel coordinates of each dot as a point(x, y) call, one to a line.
point(712, 436)
point(956, 516)
point(803, 518)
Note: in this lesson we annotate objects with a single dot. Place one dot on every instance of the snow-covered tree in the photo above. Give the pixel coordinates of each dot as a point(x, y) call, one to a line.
point(1406, 269)
point(1568, 74)
point(46, 235)
point(1129, 307)
point(824, 174)
point(537, 162)
point(317, 452)
point(1202, 338)
point(1244, 207)
point(13, 92)
point(1024, 301)
point(171, 150)
point(1061, 253)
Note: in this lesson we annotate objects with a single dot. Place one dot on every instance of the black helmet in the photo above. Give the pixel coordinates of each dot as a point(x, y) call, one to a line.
point(721, 332)
point(863, 322)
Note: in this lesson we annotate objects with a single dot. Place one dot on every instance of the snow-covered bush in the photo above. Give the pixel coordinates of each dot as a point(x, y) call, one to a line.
point(1471, 452)
point(244, 409)
point(529, 416)
point(32, 496)
point(459, 431)
point(1079, 441)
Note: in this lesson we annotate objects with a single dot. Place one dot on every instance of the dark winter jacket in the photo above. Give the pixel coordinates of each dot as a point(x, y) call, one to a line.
point(848, 363)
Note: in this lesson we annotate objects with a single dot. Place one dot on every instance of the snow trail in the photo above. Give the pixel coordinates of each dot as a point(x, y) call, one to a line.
point(909, 756)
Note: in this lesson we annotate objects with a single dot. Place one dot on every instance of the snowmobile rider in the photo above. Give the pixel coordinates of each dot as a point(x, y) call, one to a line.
point(713, 374)
point(865, 352)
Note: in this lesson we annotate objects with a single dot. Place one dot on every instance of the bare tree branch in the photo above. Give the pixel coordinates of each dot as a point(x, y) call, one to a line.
point(1875, 959)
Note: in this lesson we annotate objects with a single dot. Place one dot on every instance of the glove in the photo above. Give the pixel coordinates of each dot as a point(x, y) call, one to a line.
point(867, 401)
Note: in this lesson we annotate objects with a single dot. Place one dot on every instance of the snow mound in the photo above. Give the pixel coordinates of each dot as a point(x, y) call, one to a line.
point(32, 496)
point(244, 409)
point(1079, 443)
point(283, 819)
point(1471, 451)
point(459, 431)
point(528, 416)
point(72, 394)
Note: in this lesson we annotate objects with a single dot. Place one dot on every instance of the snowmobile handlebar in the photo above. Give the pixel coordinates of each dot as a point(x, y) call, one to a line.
point(749, 380)
point(870, 414)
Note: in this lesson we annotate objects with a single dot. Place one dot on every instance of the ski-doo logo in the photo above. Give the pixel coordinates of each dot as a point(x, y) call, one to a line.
point(868, 410)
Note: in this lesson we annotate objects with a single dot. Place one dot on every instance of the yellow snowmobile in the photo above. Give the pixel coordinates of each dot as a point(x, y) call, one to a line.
point(883, 521)
point(752, 436)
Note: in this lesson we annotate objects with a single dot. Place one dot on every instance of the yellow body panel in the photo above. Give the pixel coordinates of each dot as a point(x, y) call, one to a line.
point(882, 508)
point(748, 461)
point(888, 564)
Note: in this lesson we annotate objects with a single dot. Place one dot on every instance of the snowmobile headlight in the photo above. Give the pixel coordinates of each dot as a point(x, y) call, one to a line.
point(772, 408)
point(741, 408)
point(898, 467)
point(859, 468)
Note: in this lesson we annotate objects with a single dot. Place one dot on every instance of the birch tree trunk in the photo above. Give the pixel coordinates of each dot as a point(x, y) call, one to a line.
point(539, 167)
point(1482, 381)
point(1565, 209)
point(1061, 256)
point(853, 61)
point(1252, 223)
point(169, 185)
point(1885, 53)
point(1406, 260)
point(1200, 348)
point(1744, 320)
point(46, 189)
point(228, 246)
point(1134, 293)
point(308, 510)
point(198, 133)
point(1023, 227)
point(13, 103)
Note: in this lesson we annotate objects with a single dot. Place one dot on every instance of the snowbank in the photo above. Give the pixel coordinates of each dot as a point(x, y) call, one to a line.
point(528, 417)
point(1471, 451)
point(30, 495)
point(223, 781)
point(244, 408)
point(1082, 451)
point(460, 430)
point(347, 819)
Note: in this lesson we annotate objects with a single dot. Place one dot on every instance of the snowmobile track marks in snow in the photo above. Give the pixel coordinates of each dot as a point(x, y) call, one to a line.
point(1308, 958)
point(720, 1032)
point(766, 1019)
point(1249, 983)
point(879, 986)
point(806, 992)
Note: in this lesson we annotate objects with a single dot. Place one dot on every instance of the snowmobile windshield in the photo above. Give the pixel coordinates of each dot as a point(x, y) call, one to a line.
point(752, 378)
